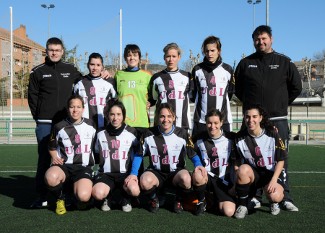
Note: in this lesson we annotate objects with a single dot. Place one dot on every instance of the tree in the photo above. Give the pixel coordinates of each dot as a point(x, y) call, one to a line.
point(320, 55)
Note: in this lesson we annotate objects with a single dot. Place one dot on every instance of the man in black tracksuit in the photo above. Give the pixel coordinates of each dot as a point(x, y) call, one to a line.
point(50, 86)
point(271, 80)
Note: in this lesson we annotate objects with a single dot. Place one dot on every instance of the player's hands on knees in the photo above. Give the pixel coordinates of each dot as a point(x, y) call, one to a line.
point(57, 161)
point(200, 170)
point(130, 179)
point(271, 187)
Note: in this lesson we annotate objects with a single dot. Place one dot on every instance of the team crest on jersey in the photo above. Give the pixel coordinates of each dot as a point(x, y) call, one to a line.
point(282, 146)
point(171, 84)
point(213, 80)
point(77, 138)
point(92, 91)
point(258, 151)
point(190, 143)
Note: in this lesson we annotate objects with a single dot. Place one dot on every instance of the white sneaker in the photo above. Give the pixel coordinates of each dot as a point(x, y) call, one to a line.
point(127, 208)
point(289, 206)
point(254, 204)
point(126, 205)
point(105, 206)
point(275, 208)
point(241, 212)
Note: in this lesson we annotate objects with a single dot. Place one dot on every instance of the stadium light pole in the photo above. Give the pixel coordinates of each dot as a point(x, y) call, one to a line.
point(48, 7)
point(254, 3)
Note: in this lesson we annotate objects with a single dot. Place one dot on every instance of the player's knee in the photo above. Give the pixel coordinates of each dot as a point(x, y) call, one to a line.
point(83, 195)
point(244, 171)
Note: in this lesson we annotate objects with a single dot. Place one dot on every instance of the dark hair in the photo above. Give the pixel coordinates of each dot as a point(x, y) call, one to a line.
point(131, 48)
point(211, 40)
point(214, 112)
point(95, 55)
point(168, 107)
point(265, 123)
point(54, 40)
point(110, 104)
point(262, 29)
point(73, 97)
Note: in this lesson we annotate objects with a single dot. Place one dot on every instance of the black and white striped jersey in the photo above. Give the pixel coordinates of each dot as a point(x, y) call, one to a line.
point(95, 92)
point(212, 90)
point(167, 152)
point(116, 152)
point(172, 87)
point(262, 151)
point(74, 142)
point(218, 156)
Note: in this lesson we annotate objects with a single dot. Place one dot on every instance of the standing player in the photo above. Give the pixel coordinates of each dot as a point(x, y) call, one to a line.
point(213, 86)
point(71, 146)
point(172, 86)
point(262, 153)
point(167, 146)
point(271, 80)
point(119, 159)
point(216, 151)
point(132, 87)
point(95, 91)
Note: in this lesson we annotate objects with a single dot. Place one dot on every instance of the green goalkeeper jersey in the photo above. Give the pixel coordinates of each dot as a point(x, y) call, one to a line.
point(132, 88)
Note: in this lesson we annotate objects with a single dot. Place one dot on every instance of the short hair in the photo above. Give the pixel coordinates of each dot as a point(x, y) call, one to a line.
point(262, 29)
point(214, 112)
point(211, 40)
point(132, 48)
point(110, 104)
point(54, 40)
point(95, 55)
point(73, 97)
point(172, 46)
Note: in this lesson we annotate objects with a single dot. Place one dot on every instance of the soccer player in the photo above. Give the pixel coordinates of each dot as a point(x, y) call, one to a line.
point(70, 147)
point(119, 159)
point(172, 86)
point(167, 147)
point(216, 151)
point(262, 153)
point(213, 86)
point(132, 86)
point(95, 91)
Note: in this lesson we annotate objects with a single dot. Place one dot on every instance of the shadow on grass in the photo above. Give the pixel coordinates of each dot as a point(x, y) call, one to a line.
point(20, 188)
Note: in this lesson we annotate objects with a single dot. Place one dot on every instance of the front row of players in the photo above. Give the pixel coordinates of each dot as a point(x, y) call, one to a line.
point(227, 165)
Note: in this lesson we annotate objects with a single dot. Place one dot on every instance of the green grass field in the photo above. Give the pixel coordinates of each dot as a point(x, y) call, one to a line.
point(17, 171)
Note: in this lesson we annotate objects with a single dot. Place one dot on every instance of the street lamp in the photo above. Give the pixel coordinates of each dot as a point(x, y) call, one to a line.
point(254, 3)
point(48, 7)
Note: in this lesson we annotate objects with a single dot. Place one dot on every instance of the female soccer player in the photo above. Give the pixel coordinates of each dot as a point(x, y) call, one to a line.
point(132, 86)
point(167, 146)
point(95, 90)
point(119, 159)
point(213, 86)
point(70, 146)
point(216, 151)
point(262, 152)
point(172, 86)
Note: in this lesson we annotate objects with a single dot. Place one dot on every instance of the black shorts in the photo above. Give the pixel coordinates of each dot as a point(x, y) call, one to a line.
point(263, 177)
point(113, 180)
point(219, 189)
point(165, 179)
point(75, 172)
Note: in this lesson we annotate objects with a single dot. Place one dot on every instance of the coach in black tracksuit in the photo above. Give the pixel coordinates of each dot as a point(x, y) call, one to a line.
point(271, 80)
point(50, 86)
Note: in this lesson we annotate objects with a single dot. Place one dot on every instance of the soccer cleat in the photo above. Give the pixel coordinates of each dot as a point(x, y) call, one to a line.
point(106, 205)
point(178, 208)
point(254, 204)
point(241, 212)
point(289, 206)
point(126, 205)
point(275, 208)
point(60, 207)
point(154, 205)
point(200, 208)
point(39, 203)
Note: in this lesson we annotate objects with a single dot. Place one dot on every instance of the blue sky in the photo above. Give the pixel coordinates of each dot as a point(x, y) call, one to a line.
point(94, 26)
